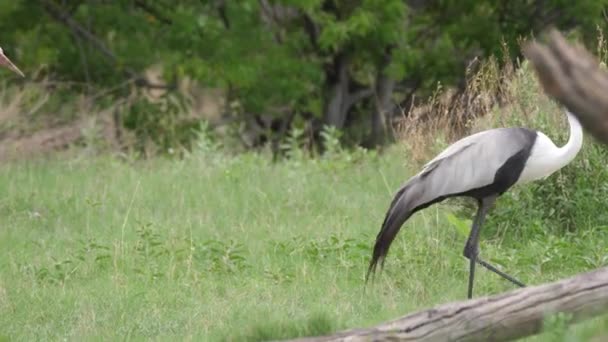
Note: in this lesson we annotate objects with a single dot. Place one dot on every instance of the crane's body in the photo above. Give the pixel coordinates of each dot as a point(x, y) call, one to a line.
point(482, 166)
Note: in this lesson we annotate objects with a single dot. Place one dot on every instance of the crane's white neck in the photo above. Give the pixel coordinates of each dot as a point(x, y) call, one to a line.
point(575, 141)
point(546, 158)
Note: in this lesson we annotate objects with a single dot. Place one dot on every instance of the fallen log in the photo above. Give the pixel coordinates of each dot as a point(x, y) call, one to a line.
point(573, 77)
point(501, 317)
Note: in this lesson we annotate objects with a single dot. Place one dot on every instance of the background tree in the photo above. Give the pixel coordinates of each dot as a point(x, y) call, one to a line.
point(351, 64)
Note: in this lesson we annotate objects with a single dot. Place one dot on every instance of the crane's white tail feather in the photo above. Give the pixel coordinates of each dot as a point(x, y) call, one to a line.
point(405, 202)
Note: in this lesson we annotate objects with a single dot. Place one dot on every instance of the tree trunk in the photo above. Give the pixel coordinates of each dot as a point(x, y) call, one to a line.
point(501, 317)
point(336, 108)
point(383, 108)
point(383, 105)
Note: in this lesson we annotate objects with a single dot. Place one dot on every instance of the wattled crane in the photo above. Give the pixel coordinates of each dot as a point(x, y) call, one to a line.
point(5, 62)
point(482, 166)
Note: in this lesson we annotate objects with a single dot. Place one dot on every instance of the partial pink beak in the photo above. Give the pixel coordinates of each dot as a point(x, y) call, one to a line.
point(4, 61)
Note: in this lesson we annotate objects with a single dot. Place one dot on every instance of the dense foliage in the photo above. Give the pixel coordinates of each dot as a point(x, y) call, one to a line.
point(351, 64)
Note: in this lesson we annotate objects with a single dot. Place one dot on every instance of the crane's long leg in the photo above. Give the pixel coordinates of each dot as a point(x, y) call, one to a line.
point(471, 248)
point(500, 273)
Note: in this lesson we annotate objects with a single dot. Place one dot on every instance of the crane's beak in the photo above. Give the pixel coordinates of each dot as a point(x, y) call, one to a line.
point(4, 61)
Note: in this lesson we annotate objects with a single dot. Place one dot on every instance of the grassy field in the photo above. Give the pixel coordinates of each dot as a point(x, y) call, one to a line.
point(234, 249)
point(220, 248)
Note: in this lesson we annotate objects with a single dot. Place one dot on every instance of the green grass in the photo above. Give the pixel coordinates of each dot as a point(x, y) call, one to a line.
point(216, 248)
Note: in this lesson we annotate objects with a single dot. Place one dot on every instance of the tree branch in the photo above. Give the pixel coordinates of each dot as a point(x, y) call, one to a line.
point(144, 6)
point(312, 29)
point(501, 317)
point(222, 11)
point(268, 14)
point(573, 76)
point(358, 96)
point(63, 17)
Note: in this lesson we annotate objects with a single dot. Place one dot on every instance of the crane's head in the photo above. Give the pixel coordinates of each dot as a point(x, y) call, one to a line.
point(5, 62)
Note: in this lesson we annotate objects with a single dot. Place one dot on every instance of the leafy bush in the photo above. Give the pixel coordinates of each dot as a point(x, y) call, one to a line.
point(162, 124)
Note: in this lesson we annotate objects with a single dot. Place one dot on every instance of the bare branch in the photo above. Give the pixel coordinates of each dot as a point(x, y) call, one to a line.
point(312, 29)
point(358, 96)
point(63, 17)
point(502, 317)
point(223, 13)
point(573, 76)
point(144, 6)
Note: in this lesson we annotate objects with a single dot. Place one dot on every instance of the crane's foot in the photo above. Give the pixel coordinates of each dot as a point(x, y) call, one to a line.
point(469, 252)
